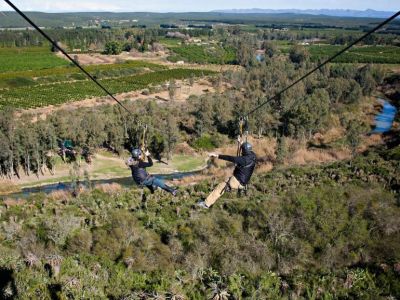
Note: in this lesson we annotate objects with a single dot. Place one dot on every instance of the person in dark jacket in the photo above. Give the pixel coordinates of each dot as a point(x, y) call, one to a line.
point(245, 165)
point(142, 177)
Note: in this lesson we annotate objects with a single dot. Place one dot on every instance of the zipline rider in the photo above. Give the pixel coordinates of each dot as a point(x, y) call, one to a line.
point(142, 177)
point(245, 165)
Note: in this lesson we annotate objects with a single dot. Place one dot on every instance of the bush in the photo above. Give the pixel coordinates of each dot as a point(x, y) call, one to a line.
point(112, 48)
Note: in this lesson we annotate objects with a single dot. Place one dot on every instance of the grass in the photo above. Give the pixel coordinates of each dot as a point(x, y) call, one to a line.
point(7, 187)
point(104, 167)
point(186, 163)
point(170, 42)
point(23, 59)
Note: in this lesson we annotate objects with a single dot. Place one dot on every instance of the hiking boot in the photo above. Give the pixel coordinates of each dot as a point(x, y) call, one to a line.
point(171, 190)
point(202, 204)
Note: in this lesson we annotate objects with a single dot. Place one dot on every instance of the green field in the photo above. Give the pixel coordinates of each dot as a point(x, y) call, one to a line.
point(211, 54)
point(360, 54)
point(366, 54)
point(58, 93)
point(33, 77)
point(33, 58)
point(25, 75)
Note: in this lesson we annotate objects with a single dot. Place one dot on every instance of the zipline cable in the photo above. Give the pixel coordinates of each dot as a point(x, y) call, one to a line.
point(67, 55)
point(322, 64)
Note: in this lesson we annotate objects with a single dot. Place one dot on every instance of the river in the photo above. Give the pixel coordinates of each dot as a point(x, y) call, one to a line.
point(384, 120)
point(67, 186)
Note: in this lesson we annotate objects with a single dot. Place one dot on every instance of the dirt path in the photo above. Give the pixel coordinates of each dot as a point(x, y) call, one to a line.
point(156, 58)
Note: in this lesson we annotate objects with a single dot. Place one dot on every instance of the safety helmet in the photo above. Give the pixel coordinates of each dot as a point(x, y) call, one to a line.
point(246, 148)
point(136, 153)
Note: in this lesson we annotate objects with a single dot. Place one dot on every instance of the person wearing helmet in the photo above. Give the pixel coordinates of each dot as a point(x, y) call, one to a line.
point(245, 164)
point(142, 177)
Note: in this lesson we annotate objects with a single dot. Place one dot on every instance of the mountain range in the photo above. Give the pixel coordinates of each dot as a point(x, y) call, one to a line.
point(368, 13)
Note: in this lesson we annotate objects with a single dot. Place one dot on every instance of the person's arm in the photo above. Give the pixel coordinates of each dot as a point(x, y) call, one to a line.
point(147, 164)
point(239, 160)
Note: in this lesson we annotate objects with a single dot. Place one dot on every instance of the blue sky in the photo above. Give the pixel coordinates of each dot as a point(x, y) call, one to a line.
point(190, 5)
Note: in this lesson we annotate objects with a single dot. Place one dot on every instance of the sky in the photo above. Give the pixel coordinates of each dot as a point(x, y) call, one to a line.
point(190, 5)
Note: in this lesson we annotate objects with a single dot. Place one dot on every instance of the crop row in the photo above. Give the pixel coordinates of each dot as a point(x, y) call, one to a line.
point(69, 69)
point(55, 94)
point(372, 54)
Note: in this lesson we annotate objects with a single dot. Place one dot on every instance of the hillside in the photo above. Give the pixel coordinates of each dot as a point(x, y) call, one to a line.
point(323, 232)
point(12, 20)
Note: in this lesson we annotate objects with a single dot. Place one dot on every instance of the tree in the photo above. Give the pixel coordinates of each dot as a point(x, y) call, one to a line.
point(270, 48)
point(298, 54)
point(366, 80)
point(172, 89)
point(112, 48)
point(353, 135)
point(171, 134)
point(308, 116)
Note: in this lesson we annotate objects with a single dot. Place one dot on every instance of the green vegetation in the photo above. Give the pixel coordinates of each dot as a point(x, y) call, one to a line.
point(34, 58)
point(311, 241)
point(70, 70)
point(364, 54)
point(54, 94)
point(210, 54)
point(314, 232)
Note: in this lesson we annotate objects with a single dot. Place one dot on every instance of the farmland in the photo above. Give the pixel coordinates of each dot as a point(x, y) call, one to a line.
point(363, 54)
point(34, 58)
point(33, 77)
point(366, 54)
point(54, 94)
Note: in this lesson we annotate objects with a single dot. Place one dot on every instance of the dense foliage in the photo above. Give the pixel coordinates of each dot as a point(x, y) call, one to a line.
point(296, 236)
point(204, 55)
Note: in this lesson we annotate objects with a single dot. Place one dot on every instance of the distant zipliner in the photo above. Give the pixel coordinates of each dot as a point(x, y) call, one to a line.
point(137, 163)
point(141, 177)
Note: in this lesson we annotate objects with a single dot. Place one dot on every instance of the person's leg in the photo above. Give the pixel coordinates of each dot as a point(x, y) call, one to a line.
point(232, 182)
point(235, 184)
point(160, 183)
point(216, 193)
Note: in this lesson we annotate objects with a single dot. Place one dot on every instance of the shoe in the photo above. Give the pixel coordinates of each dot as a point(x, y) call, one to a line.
point(171, 190)
point(202, 204)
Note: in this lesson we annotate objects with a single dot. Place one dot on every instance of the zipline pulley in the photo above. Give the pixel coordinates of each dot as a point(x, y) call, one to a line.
point(243, 133)
point(143, 142)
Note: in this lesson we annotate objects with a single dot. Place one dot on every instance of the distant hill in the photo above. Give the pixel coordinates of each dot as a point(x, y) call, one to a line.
point(368, 13)
point(10, 19)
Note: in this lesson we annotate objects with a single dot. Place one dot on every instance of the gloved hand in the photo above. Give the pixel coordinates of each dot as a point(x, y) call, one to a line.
point(147, 153)
point(130, 161)
point(213, 155)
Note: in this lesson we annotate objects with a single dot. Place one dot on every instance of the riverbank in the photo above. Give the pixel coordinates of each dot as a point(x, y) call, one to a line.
point(104, 166)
